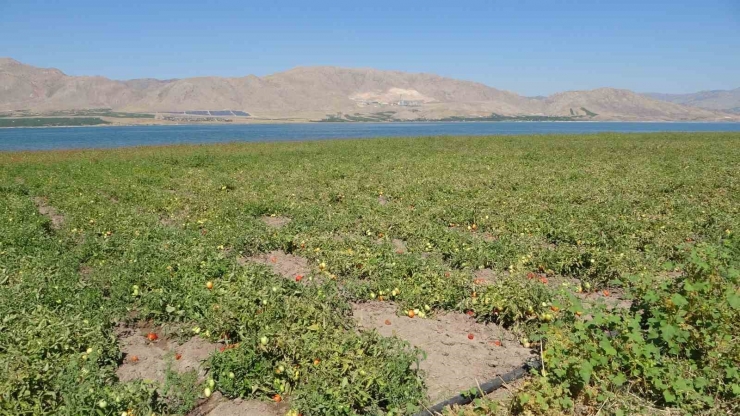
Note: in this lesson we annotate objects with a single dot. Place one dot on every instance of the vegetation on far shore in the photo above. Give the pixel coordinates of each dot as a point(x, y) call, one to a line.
point(388, 116)
point(52, 122)
point(616, 256)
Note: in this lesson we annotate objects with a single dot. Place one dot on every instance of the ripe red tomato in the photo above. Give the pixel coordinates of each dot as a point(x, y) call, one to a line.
point(277, 398)
point(411, 313)
point(152, 336)
point(387, 322)
point(471, 336)
point(298, 278)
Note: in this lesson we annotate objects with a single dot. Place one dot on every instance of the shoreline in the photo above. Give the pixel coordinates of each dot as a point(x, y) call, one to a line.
point(281, 122)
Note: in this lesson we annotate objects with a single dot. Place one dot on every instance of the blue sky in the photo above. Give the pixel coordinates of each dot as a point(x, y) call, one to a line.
point(532, 47)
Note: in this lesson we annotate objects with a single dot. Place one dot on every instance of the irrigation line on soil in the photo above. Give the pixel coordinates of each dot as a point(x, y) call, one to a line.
point(483, 389)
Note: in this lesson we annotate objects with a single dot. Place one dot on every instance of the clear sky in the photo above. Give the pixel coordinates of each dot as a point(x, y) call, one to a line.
point(532, 47)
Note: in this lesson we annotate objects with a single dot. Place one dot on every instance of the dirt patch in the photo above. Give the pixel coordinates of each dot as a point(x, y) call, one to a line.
point(489, 238)
point(57, 219)
point(167, 222)
point(85, 270)
point(454, 362)
point(276, 221)
point(282, 263)
point(382, 200)
point(175, 219)
point(217, 405)
point(399, 246)
point(248, 408)
point(613, 298)
point(484, 276)
point(147, 360)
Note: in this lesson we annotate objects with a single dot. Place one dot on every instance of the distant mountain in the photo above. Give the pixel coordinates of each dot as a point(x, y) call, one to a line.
point(315, 92)
point(723, 100)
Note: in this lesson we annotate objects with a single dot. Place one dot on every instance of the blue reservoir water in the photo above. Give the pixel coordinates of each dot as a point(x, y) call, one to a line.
point(108, 137)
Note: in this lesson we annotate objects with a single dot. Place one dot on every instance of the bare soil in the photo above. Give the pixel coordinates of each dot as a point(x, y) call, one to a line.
point(218, 405)
point(284, 264)
point(248, 408)
point(399, 246)
point(276, 222)
point(382, 200)
point(484, 276)
point(454, 362)
point(614, 300)
point(148, 360)
point(57, 219)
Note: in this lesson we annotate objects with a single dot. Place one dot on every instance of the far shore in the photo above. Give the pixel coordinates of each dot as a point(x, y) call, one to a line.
point(150, 122)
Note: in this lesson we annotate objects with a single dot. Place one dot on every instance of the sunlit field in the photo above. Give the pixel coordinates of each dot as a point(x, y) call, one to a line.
point(613, 259)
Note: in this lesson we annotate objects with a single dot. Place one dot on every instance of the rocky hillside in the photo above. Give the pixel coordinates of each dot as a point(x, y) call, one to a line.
point(722, 100)
point(314, 92)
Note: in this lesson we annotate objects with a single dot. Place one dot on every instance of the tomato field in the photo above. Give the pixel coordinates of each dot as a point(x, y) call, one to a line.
point(614, 259)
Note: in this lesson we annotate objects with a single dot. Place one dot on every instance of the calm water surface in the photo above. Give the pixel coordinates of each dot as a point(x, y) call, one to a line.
point(107, 137)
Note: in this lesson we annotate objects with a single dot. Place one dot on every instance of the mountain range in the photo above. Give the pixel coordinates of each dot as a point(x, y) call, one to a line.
point(311, 93)
point(723, 100)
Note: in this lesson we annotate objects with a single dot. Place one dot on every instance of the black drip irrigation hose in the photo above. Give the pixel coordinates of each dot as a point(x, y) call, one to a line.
point(485, 388)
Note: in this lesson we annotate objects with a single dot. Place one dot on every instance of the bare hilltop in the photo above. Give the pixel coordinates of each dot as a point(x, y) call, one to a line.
point(314, 93)
point(722, 100)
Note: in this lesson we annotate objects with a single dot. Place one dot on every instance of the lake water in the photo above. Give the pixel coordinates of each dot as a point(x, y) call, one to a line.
point(107, 137)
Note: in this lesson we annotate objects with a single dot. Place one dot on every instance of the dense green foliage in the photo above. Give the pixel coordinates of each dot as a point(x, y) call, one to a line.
point(676, 345)
point(144, 229)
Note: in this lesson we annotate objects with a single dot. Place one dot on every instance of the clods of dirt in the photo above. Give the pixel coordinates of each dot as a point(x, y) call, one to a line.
point(484, 276)
point(489, 238)
point(454, 361)
point(284, 264)
point(399, 246)
point(42, 205)
point(248, 408)
point(613, 298)
point(276, 221)
point(218, 405)
point(147, 359)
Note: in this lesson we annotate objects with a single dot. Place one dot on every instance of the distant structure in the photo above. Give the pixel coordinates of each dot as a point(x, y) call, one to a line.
point(409, 103)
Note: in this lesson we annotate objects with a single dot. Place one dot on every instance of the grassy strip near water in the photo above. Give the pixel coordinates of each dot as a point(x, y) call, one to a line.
point(90, 240)
point(51, 122)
